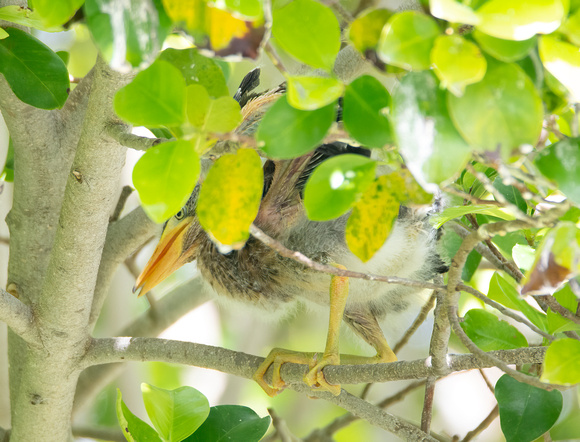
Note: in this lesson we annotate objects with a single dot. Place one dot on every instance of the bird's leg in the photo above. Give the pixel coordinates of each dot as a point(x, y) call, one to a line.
point(315, 377)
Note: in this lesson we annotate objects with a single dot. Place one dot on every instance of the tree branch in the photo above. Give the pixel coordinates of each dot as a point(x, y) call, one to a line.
point(167, 311)
point(123, 238)
point(18, 316)
point(120, 132)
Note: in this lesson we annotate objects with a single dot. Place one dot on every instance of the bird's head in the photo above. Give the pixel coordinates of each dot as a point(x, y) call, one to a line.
point(178, 245)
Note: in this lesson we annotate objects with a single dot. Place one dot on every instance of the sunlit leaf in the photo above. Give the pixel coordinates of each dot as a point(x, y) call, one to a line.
point(247, 8)
point(453, 11)
point(165, 177)
point(562, 60)
point(525, 412)
point(309, 93)
point(155, 97)
point(407, 39)
point(134, 429)
point(458, 211)
point(175, 413)
point(25, 17)
point(36, 75)
point(197, 69)
point(457, 63)
point(571, 28)
point(518, 20)
point(503, 292)
point(287, 132)
point(218, 115)
point(433, 149)
point(504, 50)
point(307, 30)
point(56, 13)
point(562, 362)
point(363, 112)
point(503, 111)
point(489, 333)
point(336, 184)
point(372, 219)
point(523, 256)
point(365, 30)
point(230, 197)
point(231, 423)
point(556, 322)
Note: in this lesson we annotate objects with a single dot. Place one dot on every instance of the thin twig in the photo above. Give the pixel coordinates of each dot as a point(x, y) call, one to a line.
point(469, 197)
point(282, 430)
point(326, 432)
point(487, 381)
point(275, 58)
point(4, 240)
point(120, 133)
point(331, 270)
point(551, 302)
point(416, 324)
point(503, 310)
point(427, 413)
point(493, 414)
point(125, 193)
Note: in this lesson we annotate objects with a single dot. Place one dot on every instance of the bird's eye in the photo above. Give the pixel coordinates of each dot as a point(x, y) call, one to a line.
point(180, 215)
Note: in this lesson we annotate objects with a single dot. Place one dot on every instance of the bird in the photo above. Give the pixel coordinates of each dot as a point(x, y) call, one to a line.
point(258, 276)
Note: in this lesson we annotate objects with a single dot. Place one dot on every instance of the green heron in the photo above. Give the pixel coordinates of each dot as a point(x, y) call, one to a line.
point(259, 276)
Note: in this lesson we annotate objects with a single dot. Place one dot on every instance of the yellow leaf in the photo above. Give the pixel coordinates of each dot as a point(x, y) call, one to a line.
point(230, 197)
point(191, 12)
point(223, 28)
point(371, 220)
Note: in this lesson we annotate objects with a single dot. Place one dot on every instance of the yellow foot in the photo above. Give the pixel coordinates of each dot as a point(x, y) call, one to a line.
point(314, 378)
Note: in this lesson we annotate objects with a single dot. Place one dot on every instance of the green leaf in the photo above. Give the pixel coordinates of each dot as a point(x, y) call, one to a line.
point(56, 13)
point(560, 162)
point(433, 149)
point(175, 413)
point(230, 197)
point(525, 412)
point(310, 93)
point(502, 111)
point(365, 31)
point(25, 17)
point(36, 75)
point(126, 36)
point(512, 194)
point(562, 362)
point(231, 423)
point(407, 39)
point(504, 50)
point(562, 60)
point(518, 20)
point(155, 97)
point(363, 112)
point(372, 219)
point(489, 333)
point(8, 172)
point(287, 132)
point(503, 292)
point(251, 9)
point(134, 429)
point(457, 63)
point(471, 265)
point(453, 11)
point(523, 256)
point(165, 177)
point(556, 322)
point(571, 28)
point(336, 184)
point(308, 31)
point(197, 69)
point(208, 115)
point(458, 211)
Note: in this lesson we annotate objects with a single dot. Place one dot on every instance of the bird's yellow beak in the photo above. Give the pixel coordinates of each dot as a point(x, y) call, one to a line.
point(169, 255)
